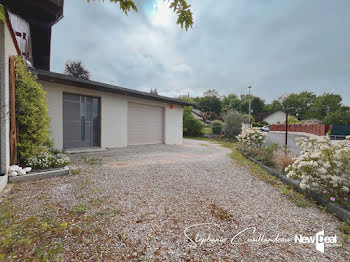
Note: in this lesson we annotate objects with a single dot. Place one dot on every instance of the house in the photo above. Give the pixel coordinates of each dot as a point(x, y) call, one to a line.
point(199, 115)
point(278, 117)
point(83, 113)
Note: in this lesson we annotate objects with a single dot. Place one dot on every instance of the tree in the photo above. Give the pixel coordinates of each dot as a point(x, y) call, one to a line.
point(76, 69)
point(230, 102)
point(233, 123)
point(327, 103)
point(301, 104)
point(154, 91)
point(209, 104)
point(180, 7)
point(191, 125)
point(339, 117)
point(257, 105)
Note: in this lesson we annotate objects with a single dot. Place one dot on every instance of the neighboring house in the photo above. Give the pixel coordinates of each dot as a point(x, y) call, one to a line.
point(198, 115)
point(83, 113)
point(278, 117)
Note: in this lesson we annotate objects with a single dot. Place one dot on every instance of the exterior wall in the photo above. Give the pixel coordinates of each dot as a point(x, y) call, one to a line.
point(278, 117)
point(114, 112)
point(7, 49)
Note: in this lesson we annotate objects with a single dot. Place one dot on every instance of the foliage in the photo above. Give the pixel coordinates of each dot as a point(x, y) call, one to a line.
point(209, 104)
point(191, 125)
point(180, 7)
point(31, 113)
point(323, 166)
point(45, 160)
point(217, 127)
point(246, 117)
point(339, 117)
point(293, 120)
point(281, 160)
point(326, 104)
point(257, 105)
point(76, 69)
point(251, 138)
point(300, 104)
point(233, 123)
point(230, 102)
point(264, 154)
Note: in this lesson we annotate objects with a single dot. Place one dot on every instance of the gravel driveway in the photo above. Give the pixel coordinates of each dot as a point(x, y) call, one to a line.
point(136, 204)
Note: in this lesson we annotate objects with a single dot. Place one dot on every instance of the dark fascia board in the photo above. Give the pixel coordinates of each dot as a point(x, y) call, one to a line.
point(83, 83)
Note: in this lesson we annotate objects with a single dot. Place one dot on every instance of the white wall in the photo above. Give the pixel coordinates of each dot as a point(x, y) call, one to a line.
point(7, 49)
point(278, 117)
point(114, 111)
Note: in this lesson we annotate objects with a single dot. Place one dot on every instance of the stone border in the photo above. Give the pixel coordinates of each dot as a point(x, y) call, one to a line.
point(342, 213)
point(40, 175)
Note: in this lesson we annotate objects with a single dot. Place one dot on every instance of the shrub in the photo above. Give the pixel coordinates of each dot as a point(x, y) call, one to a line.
point(265, 154)
point(31, 114)
point(282, 160)
point(233, 123)
point(323, 166)
point(45, 160)
point(251, 138)
point(191, 125)
point(217, 127)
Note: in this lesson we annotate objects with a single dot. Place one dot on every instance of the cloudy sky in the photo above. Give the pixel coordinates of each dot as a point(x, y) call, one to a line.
point(277, 46)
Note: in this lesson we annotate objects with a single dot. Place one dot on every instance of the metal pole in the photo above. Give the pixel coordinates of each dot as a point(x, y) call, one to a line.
point(250, 109)
point(286, 144)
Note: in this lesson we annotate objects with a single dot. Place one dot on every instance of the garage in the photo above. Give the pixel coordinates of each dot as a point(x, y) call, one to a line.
point(145, 124)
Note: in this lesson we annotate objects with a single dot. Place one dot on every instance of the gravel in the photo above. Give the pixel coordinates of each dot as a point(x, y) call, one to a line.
point(140, 199)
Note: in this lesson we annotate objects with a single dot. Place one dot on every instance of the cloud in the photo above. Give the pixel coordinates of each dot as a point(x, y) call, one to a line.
point(278, 46)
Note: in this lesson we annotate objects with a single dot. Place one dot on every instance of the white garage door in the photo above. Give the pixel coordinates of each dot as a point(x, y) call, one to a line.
point(145, 124)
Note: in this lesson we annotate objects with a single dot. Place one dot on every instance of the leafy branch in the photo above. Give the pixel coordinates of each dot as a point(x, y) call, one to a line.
point(180, 7)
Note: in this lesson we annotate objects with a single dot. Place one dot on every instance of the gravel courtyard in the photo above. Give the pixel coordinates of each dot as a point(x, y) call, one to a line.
point(156, 203)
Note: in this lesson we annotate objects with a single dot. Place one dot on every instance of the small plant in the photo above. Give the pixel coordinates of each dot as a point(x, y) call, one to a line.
point(76, 170)
point(44, 160)
point(92, 160)
point(217, 127)
point(80, 209)
point(282, 160)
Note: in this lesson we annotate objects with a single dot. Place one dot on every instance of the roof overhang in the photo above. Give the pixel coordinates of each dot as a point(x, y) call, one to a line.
point(82, 83)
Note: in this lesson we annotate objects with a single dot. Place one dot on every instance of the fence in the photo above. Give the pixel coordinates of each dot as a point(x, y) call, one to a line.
point(316, 129)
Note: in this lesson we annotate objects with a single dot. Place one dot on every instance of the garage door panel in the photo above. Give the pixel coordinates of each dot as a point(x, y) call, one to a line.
point(145, 124)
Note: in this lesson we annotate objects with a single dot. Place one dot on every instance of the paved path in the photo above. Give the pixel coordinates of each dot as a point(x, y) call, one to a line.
point(140, 201)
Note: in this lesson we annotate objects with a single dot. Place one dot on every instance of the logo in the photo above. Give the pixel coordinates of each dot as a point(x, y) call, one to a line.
point(319, 240)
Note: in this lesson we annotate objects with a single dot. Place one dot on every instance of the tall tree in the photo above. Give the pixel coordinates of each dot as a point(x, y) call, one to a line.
point(154, 91)
point(326, 104)
point(76, 69)
point(301, 104)
point(210, 102)
point(180, 8)
point(230, 102)
point(257, 105)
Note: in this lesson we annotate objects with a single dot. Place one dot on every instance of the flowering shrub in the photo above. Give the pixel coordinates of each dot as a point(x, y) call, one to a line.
point(251, 138)
point(45, 160)
point(323, 166)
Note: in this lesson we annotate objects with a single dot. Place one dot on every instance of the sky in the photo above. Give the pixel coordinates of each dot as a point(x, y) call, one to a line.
point(278, 47)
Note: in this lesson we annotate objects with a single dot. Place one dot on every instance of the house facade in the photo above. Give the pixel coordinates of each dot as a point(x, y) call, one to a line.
point(278, 117)
point(89, 114)
point(83, 113)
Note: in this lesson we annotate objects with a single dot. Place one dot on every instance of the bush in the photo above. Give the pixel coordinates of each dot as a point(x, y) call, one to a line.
point(191, 126)
point(282, 160)
point(264, 154)
point(251, 138)
point(50, 159)
point(217, 127)
point(323, 166)
point(233, 124)
point(31, 114)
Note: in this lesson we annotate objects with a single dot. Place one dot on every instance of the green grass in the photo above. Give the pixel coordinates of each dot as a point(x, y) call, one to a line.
point(207, 130)
point(295, 197)
point(92, 160)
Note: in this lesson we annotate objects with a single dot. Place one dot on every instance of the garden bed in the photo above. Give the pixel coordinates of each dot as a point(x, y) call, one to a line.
point(40, 174)
point(342, 213)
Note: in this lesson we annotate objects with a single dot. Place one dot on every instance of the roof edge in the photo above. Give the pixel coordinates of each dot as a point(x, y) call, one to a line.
point(89, 84)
